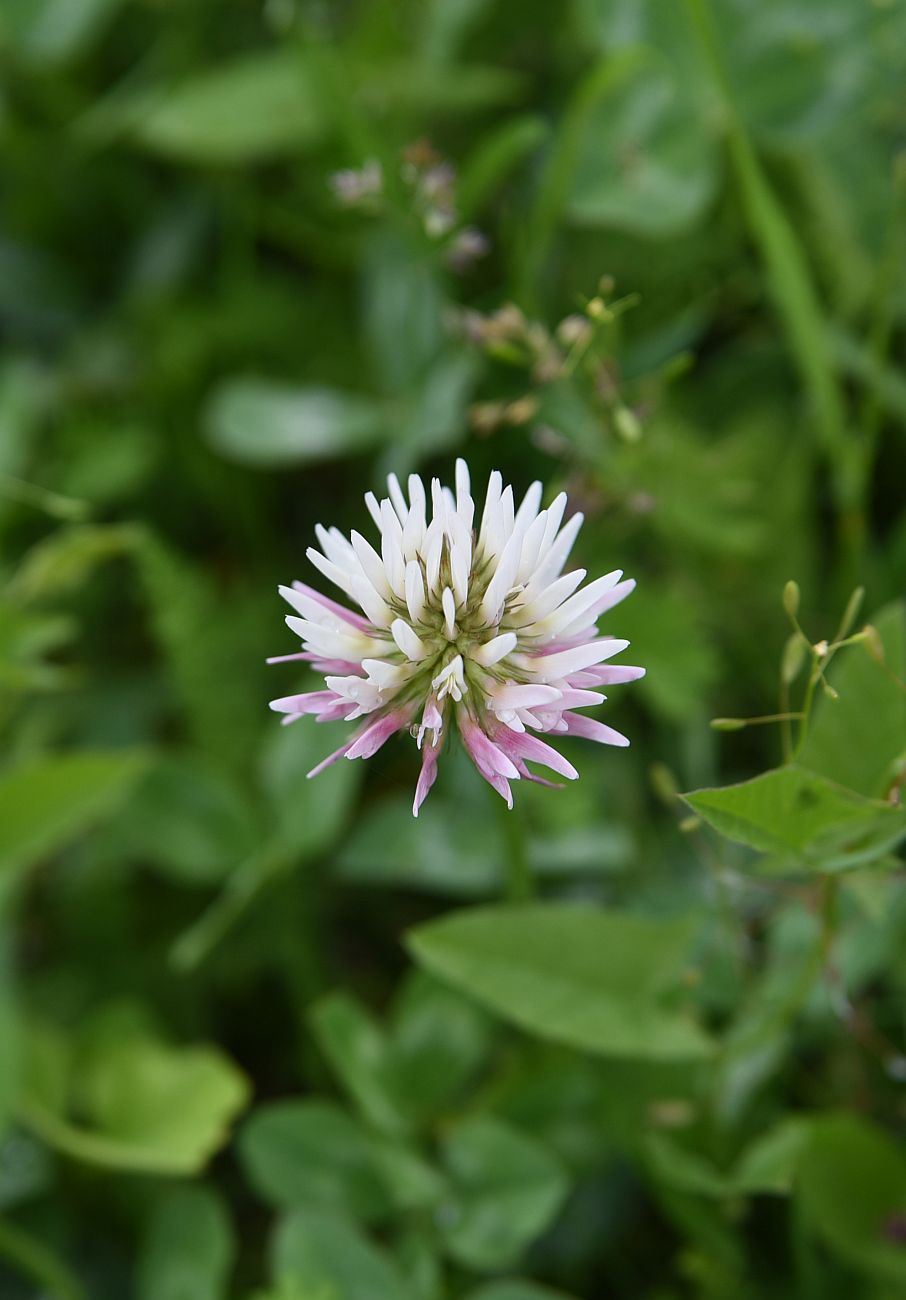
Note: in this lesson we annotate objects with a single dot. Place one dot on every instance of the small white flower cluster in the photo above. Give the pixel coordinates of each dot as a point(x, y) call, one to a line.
point(479, 623)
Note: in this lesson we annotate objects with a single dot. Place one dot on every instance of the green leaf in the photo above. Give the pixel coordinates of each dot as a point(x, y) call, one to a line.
point(852, 1190)
point(499, 151)
point(442, 852)
point(47, 802)
point(188, 1247)
point(856, 739)
point(154, 1108)
point(190, 820)
point(258, 107)
point(507, 1188)
point(515, 1289)
point(402, 313)
point(647, 163)
point(810, 822)
point(322, 1252)
point(62, 562)
point(585, 977)
point(440, 1040)
point(312, 1153)
point(361, 1057)
point(268, 424)
point(307, 815)
point(47, 32)
point(770, 1163)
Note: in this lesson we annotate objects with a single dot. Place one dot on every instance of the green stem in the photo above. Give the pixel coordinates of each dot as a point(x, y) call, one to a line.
point(247, 881)
point(35, 1261)
point(520, 883)
point(885, 297)
point(806, 711)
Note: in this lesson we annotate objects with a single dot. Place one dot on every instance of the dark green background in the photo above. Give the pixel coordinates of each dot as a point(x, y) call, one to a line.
point(225, 1071)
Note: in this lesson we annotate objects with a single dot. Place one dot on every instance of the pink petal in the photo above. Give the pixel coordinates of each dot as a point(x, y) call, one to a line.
point(308, 702)
point(608, 675)
point(537, 751)
point(486, 756)
point(593, 730)
point(427, 775)
point(370, 739)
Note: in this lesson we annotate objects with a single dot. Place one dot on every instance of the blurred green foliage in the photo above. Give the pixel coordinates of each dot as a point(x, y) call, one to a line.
point(265, 1039)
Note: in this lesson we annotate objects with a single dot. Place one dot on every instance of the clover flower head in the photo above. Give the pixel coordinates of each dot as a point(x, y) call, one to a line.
point(459, 621)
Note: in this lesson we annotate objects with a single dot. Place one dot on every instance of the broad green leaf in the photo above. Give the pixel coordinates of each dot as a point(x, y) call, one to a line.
point(321, 1252)
point(48, 802)
point(767, 1166)
point(434, 419)
point(442, 852)
point(307, 815)
point(682, 1169)
point(190, 820)
point(257, 107)
point(507, 1188)
point(856, 739)
point(648, 163)
point(439, 1041)
point(152, 1108)
point(808, 821)
point(402, 311)
point(188, 1247)
point(362, 1058)
point(852, 1190)
point(313, 1154)
point(586, 977)
point(268, 424)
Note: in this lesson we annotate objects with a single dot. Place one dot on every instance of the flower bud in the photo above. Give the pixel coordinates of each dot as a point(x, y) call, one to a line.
point(791, 598)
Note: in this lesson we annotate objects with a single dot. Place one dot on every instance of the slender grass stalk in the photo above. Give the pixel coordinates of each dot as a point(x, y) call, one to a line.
point(797, 301)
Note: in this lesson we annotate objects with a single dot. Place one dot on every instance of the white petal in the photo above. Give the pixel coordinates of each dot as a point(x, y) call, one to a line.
point(539, 601)
point(494, 650)
point(449, 607)
point(491, 507)
point(374, 508)
point(528, 510)
point(415, 591)
point(396, 496)
point(573, 609)
point(434, 549)
point(386, 676)
point(516, 695)
point(465, 506)
point(552, 563)
point(411, 644)
point(564, 662)
point(372, 565)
